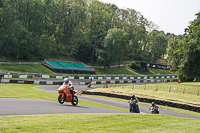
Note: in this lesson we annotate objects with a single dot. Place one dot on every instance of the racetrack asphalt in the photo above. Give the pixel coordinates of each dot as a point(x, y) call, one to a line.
point(14, 106)
point(124, 105)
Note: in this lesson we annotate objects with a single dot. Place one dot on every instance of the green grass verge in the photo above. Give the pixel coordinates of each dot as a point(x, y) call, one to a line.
point(28, 92)
point(84, 123)
point(127, 70)
point(116, 70)
point(38, 68)
point(32, 68)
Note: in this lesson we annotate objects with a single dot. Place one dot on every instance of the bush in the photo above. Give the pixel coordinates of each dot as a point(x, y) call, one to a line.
point(133, 65)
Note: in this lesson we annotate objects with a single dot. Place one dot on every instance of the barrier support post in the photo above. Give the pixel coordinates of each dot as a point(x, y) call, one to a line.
point(157, 88)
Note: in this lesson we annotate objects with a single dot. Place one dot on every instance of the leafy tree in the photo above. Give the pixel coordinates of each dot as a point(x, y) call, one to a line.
point(45, 47)
point(115, 45)
point(100, 18)
point(158, 45)
point(172, 52)
point(78, 28)
point(189, 65)
point(21, 41)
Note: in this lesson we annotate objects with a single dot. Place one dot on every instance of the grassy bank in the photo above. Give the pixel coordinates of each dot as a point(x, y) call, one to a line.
point(31, 68)
point(38, 68)
point(99, 123)
point(160, 91)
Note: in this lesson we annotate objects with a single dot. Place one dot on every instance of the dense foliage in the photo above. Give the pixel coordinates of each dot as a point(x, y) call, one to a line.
point(184, 55)
point(88, 30)
point(133, 65)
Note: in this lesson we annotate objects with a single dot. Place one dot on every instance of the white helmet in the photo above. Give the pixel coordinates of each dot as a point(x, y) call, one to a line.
point(66, 80)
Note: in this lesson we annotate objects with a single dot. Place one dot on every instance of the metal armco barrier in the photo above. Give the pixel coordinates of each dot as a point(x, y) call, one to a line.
point(5, 76)
point(21, 82)
point(83, 83)
point(31, 82)
point(129, 81)
point(147, 100)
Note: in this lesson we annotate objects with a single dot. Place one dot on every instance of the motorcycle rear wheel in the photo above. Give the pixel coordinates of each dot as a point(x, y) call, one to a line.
point(61, 99)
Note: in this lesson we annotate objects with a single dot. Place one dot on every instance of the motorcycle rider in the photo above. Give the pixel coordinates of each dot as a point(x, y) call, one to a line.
point(134, 99)
point(69, 83)
point(154, 106)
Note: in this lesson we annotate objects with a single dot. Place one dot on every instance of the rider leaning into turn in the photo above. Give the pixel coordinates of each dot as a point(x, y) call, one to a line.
point(154, 105)
point(69, 83)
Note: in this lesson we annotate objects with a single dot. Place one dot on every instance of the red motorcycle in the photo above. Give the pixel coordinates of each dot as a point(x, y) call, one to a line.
point(66, 96)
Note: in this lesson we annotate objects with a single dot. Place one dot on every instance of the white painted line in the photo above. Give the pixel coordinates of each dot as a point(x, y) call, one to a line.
point(59, 77)
point(37, 82)
point(112, 82)
point(23, 76)
point(103, 82)
point(45, 76)
point(49, 82)
point(71, 77)
point(121, 81)
point(5, 80)
point(82, 83)
point(129, 81)
point(7, 76)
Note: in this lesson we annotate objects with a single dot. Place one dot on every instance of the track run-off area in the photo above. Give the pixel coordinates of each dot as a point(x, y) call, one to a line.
point(16, 106)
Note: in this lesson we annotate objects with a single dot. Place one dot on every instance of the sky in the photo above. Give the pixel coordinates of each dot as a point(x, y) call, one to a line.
point(171, 16)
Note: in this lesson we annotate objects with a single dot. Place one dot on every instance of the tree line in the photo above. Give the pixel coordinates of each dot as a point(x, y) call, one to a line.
point(92, 31)
point(184, 54)
point(88, 30)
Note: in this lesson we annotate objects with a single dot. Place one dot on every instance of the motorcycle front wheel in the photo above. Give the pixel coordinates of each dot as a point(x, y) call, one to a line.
point(61, 99)
point(130, 109)
point(74, 101)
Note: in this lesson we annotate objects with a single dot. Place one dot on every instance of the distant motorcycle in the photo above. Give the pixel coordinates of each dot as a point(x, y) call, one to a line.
point(133, 107)
point(66, 96)
point(154, 110)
